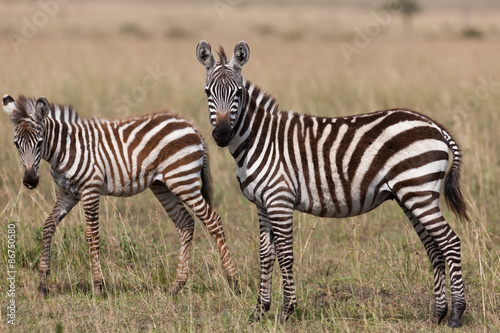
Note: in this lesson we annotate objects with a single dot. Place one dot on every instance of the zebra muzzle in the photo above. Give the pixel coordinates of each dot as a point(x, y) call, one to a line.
point(222, 134)
point(30, 179)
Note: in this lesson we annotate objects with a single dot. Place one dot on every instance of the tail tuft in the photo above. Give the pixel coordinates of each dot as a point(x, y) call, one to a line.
point(207, 190)
point(452, 192)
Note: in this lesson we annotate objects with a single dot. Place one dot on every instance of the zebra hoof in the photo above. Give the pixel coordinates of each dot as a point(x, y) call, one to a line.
point(439, 314)
point(455, 320)
point(234, 285)
point(42, 290)
point(257, 315)
point(98, 286)
point(286, 312)
point(176, 288)
point(255, 318)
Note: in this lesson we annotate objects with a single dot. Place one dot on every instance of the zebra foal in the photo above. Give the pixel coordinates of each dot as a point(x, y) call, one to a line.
point(334, 167)
point(94, 157)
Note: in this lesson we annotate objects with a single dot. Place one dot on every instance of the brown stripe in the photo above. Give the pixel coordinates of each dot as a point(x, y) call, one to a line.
point(418, 180)
point(327, 147)
point(340, 154)
point(372, 135)
point(398, 142)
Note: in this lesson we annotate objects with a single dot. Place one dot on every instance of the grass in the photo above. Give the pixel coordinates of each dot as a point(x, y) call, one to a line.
point(368, 273)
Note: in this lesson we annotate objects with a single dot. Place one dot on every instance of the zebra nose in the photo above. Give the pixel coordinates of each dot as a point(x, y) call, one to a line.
point(30, 180)
point(222, 135)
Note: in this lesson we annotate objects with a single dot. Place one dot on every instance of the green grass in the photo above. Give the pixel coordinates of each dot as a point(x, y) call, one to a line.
point(368, 273)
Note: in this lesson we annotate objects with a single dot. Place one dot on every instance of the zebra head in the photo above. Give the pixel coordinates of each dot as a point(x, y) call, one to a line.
point(27, 116)
point(224, 88)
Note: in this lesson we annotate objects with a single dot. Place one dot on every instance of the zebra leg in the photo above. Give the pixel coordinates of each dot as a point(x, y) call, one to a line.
point(62, 207)
point(184, 224)
point(438, 263)
point(424, 206)
point(267, 259)
point(212, 221)
point(281, 216)
point(90, 202)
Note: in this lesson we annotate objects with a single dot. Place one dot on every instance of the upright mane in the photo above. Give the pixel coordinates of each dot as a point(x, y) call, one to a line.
point(25, 106)
point(222, 56)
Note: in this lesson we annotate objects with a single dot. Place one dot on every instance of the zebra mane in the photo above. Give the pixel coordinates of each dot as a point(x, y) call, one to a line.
point(25, 108)
point(222, 55)
point(269, 98)
point(22, 109)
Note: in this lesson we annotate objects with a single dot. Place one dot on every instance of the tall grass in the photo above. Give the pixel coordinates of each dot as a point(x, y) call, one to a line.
point(368, 273)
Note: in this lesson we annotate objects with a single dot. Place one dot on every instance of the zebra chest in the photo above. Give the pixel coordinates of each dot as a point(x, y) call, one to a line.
point(257, 184)
point(248, 186)
point(66, 183)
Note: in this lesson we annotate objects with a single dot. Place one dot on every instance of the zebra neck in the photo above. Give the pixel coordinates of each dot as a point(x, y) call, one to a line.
point(58, 139)
point(257, 108)
point(61, 127)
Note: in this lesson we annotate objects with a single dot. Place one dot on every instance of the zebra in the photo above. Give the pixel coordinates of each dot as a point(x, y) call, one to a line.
point(334, 167)
point(94, 157)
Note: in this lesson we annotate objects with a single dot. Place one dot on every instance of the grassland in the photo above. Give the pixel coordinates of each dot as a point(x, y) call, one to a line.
point(368, 273)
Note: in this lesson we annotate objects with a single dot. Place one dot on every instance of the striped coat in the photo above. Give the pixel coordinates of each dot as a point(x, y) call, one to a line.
point(334, 167)
point(94, 157)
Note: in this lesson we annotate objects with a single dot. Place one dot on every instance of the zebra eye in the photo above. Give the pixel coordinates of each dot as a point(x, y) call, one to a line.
point(39, 144)
point(207, 92)
point(16, 144)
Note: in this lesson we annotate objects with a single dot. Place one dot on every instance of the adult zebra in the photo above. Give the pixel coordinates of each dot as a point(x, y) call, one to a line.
point(94, 157)
point(334, 167)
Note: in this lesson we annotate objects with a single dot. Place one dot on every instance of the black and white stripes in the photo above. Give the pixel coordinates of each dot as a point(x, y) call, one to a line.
point(334, 167)
point(94, 157)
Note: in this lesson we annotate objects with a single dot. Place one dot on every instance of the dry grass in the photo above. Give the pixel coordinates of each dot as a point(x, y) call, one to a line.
point(368, 273)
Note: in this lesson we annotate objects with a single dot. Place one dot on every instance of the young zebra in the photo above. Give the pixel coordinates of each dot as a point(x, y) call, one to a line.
point(334, 167)
point(94, 157)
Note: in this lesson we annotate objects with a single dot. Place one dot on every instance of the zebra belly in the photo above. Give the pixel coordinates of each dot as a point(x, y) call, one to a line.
point(341, 208)
point(327, 206)
point(126, 188)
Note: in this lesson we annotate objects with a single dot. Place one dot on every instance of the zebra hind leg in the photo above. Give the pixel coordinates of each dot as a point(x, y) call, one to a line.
point(424, 205)
point(438, 264)
point(213, 222)
point(184, 224)
point(199, 206)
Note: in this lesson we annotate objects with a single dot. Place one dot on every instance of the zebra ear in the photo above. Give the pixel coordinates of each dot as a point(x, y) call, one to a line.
point(9, 105)
point(42, 109)
point(204, 54)
point(241, 54)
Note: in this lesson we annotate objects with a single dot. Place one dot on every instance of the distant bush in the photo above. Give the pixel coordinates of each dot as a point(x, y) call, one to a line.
point(177, 32)
point(471, 32)
point(130, 28)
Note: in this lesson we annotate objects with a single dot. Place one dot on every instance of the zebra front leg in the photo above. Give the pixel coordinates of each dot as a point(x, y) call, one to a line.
point(438, 263)
point(281, 217)
point(267, 256)
point(90, 202)
point(184, 224)
point(62, 207)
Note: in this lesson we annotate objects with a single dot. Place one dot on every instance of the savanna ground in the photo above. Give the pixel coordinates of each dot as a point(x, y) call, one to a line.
point(368, 273)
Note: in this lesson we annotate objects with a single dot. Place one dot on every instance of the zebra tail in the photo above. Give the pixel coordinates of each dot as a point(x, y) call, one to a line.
point(452, 191)
point(207, 190)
